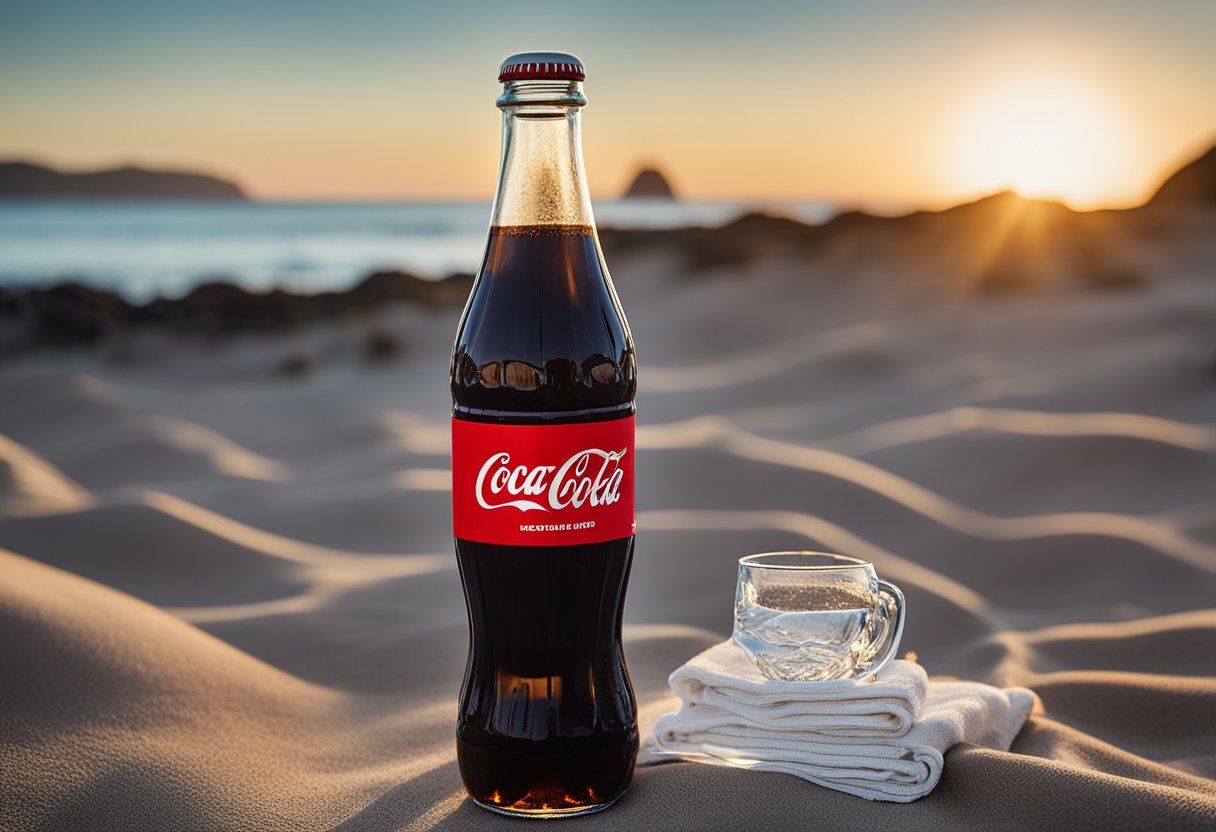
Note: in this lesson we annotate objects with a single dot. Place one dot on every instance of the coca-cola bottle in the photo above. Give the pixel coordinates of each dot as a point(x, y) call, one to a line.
point(543, 380)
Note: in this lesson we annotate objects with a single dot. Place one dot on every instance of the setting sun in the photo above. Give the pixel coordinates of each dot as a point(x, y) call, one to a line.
point(1044, 136)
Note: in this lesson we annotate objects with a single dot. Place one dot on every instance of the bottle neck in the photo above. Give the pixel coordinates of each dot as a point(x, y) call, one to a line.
point(540, 178)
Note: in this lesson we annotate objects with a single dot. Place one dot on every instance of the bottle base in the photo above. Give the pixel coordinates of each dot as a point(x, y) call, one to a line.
point(547, 814)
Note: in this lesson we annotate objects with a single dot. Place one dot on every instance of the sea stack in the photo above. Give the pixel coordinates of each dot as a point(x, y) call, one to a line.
point(649, 184)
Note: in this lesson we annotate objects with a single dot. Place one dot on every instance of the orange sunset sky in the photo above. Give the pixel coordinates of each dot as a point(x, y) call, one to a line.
point(867, 102)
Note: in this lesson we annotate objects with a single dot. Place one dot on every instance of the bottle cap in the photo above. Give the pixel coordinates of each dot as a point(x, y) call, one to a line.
point(557, 66)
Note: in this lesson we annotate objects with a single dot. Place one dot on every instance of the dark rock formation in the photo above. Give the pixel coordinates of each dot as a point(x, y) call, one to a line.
point(649, 183)
point(1192, 184)
point(22, 180)
point(59, 316)
point(71, 314)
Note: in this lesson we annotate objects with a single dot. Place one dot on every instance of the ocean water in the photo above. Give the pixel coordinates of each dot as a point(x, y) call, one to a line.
point(146, 249)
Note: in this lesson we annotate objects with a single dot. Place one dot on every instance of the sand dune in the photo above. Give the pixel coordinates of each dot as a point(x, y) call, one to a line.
point(241, 745)
point(159, 449)
point(760, 365)
point(31, 485)
point(232, 602)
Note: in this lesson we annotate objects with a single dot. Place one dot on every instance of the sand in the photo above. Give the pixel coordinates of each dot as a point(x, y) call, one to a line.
point(228, 598)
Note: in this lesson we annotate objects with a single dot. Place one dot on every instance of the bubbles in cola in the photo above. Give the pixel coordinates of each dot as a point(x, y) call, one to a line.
point(543, 380)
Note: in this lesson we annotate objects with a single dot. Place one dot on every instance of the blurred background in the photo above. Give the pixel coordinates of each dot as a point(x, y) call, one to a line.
point(929, 283)
point(365, 137)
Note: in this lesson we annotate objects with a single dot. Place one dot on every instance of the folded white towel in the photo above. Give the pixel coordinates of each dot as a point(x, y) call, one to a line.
point(726, 677)
point(894, 768)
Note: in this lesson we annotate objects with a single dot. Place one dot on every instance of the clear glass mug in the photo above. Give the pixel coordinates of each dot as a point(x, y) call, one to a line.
point(813, 616)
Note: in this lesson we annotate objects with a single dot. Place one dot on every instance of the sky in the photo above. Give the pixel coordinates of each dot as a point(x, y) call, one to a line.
point(872, 102)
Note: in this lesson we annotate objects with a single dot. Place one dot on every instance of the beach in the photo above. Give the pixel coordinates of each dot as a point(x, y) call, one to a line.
point(229, 598)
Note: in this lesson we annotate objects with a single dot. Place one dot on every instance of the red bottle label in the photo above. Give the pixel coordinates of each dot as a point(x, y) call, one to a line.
point(542, 485)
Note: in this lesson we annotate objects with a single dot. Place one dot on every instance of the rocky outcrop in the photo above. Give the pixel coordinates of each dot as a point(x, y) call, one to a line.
point(1193, 184)
point(72, 314)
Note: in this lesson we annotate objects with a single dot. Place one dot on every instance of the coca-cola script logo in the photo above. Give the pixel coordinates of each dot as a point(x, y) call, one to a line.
point(589, 476)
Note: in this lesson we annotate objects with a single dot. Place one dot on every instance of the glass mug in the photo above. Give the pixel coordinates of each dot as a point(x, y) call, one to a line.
point(812, 616)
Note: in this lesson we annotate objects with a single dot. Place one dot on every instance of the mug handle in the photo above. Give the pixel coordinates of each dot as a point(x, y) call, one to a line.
point(891, 607)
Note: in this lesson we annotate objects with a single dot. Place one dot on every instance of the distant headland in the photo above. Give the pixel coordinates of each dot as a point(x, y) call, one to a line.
point(25, 180)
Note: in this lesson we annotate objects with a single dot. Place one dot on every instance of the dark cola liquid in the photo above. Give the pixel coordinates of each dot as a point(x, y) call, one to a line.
point(547, 719)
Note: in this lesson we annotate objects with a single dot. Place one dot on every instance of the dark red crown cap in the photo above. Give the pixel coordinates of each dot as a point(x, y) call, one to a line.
point(556, 66)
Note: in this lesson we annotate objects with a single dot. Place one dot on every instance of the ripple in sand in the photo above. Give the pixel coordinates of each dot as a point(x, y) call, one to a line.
point(717, 432)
